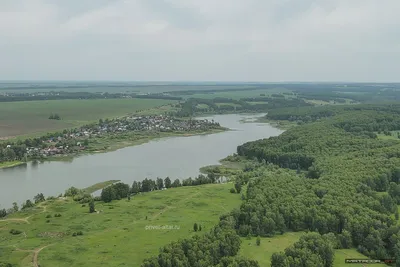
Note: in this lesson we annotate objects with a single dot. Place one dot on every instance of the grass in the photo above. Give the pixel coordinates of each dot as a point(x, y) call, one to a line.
point(393, 136)
point(342, 254)
point(227, 104)
point(239, 94)
point(93, 188)
point(31, 117)
point(268, 246)
point(10, 164)
point(332, 102)
point(283, 125)
point(115, 236)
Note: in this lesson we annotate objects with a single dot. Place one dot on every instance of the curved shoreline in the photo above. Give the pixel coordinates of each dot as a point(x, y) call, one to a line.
point(119, 144)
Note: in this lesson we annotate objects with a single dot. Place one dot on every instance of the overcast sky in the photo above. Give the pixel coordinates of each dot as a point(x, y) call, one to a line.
point(200, 40)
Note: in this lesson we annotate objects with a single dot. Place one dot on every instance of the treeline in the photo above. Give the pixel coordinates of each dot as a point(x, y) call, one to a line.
point(222, 105)
point(120, 190)
point(335, 190)
point(218, 248)
point(14, 97)
point(26, 205)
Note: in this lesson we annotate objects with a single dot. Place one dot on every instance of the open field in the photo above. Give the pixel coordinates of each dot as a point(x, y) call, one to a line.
point(394, 136)
point(342, 254)
point(239, 94)
point(118, 87)
point(117, 235)
point(31, 117)
point(269, 246)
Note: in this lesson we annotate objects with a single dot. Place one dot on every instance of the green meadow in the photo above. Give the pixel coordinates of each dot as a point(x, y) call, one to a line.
point(116, 235)
point(278, 243)
point(32, 117)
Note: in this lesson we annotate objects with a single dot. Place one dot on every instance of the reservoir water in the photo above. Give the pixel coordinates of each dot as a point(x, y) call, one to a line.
point(176, 157)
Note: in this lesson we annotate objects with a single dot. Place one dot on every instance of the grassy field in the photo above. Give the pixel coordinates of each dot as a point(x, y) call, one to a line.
point(239, 94)
point(268, 246)
point(278, 243)
point(117, 235)
point(389, 137)
point(10, 164)
point(31, 117)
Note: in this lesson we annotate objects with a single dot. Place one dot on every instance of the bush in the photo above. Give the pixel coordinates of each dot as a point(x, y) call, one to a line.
point(233, 191)
point(15, 232)
point(47, 221)
point(77, 233)
point(48, 216)
point(258, 241)
point(57, 215)
point(72, 191)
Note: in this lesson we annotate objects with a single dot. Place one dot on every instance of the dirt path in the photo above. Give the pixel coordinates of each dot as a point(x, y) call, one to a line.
point(26, 219)
point(36, 255)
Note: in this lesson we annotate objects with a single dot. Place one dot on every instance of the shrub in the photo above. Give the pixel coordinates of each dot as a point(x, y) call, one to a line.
point(232, 190)
point(48, 216)
point(57, 215)
point(15, 232)
point(79, 233)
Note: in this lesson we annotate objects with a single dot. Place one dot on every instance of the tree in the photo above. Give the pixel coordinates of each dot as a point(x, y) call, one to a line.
point(258, 241)
point(72, 191)
point(238, 187)
point(39, 198)
point(3, 213)
point(160, 184)
point(176, 183)
point(121, 190)
point(108, 194)
point(278, 259)
point(27, 204)
point(167, 182)
point(15, 206)
point(135, 188)
point(195, 227)
point(91, 206)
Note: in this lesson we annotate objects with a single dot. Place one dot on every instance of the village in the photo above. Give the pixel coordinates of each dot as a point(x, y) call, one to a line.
point(75, 140)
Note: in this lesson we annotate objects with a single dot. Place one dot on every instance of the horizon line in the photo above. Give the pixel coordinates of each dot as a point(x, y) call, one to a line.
point(194, 81)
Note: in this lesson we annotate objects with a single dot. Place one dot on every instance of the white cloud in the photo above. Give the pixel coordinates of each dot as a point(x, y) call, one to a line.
point(199, 39)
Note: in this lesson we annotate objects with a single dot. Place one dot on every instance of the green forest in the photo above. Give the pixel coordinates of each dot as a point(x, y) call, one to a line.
point(330, 176)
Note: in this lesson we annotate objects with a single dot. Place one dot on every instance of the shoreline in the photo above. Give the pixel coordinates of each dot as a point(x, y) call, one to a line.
point(119, 144)
point(11, 164)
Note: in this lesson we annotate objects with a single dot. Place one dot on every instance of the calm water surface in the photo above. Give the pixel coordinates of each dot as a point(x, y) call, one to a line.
point(176, 157)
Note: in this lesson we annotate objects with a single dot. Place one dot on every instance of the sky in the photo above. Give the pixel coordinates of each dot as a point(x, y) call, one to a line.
point(200, 40)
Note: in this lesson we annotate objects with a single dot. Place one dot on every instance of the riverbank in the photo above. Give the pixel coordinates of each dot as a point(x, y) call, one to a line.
point(11, 164)
point(177, 155)
point(110, 144)
point(282, 125)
